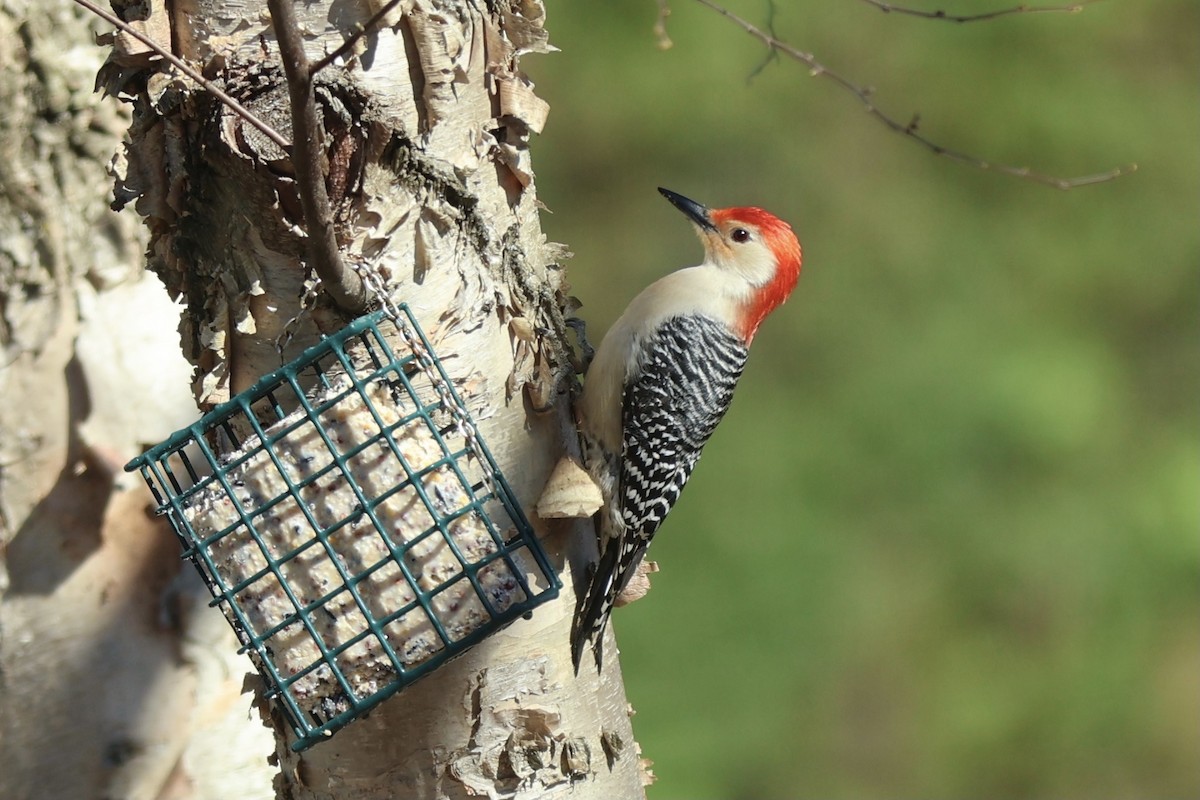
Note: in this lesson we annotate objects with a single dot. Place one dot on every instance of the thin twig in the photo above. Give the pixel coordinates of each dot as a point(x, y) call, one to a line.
point(362, 31)
point(183, 67)
point(343, 284)
point(772, 53)
point(817, 69)
point(888, 8)
point(660, 26)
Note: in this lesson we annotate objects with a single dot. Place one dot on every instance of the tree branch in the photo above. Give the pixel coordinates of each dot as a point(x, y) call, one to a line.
point(888, 8)
point(183, 67)
point(864, 95)
point(343, 285)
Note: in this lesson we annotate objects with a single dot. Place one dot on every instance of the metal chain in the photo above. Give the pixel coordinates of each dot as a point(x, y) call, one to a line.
point(462, 420)
point(307, 297)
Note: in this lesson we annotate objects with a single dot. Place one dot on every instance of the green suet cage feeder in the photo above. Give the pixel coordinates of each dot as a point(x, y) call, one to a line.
point(350, 522)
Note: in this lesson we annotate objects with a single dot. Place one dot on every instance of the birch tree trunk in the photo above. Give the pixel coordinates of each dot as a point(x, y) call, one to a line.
point(93, 689)
point(426, 129)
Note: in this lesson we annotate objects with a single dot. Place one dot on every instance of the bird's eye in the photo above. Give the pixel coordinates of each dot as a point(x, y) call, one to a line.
point(740, 235)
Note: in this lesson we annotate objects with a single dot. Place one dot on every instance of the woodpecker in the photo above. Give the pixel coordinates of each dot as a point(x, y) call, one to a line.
point(661, 380)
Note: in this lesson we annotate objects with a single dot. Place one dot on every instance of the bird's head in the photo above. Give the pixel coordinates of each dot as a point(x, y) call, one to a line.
point(755, 245)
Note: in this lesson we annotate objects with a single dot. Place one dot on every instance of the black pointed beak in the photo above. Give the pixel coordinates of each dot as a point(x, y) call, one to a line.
point(694, 211)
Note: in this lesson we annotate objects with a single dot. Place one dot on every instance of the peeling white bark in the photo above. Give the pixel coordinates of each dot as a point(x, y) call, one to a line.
point(96, 686)
point(426, 132)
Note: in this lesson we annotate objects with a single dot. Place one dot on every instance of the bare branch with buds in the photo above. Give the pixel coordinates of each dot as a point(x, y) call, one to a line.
point(865, 96)
point(888, 8)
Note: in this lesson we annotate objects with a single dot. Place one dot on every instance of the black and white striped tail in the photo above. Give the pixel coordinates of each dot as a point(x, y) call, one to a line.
point(596, 607)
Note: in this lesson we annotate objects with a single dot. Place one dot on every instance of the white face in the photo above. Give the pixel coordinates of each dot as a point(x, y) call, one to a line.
point(739, 247)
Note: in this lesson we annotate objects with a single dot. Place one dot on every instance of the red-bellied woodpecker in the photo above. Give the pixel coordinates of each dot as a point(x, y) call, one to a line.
point(663, 378)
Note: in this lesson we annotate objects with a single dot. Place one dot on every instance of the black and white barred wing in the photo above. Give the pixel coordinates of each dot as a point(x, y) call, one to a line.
point(687, 378)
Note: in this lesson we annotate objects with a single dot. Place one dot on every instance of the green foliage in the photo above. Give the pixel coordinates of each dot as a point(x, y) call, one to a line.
point(945, 544)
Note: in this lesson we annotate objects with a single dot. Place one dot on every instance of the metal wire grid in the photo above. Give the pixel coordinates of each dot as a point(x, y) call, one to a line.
point(262, 575)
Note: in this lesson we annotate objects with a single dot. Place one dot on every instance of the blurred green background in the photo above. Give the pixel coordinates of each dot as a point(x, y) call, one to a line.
point(946, 544)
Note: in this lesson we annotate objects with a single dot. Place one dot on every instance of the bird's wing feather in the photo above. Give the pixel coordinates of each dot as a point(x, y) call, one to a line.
point(684, 385)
